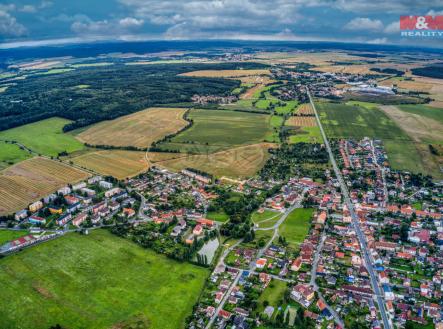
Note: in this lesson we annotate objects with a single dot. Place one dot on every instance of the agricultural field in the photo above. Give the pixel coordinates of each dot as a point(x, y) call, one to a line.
point(305, 109)
point(425, 111)
point(140, 129)
point(44, 137)
point(239, 162)
point(289, 107)
point(215, 130)
point(299, 121)
point(296, 226)
point(32, 179)
point(405, 149)
point(72, 281)
point(10, 154)
point(116, 163)
point(225, 73)
point(305, 135)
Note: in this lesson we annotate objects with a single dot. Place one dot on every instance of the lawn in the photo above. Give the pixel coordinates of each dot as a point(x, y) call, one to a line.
point(96, 281)
point(287, 108)
point(220, 129)
point(265, 215)
point(44, 137)
point(273, 293)
point(7, 235)
point(10, 154)
point(296, 225)
point(219, 216)
point(306, 135)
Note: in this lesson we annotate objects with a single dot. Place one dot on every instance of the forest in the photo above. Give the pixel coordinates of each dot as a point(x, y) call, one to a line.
point(90, 95)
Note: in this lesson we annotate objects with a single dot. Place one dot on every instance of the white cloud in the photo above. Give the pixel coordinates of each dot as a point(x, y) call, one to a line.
point(432, 12)
point(84, 25)
point(129, 22)
point(378, 41)
point(364, 24)
point(393, 27)
point(28, 9)
point(9, 27)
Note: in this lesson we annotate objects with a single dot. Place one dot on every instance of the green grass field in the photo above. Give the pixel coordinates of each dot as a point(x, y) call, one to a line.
point(7, 235)
point(215, 130)
point(288, 108)
point(274, 294)
point(296, 226)
point(353, 121)
point(424, 110)
point(44, 137)
point(10, 154)
point(265, 215)
point(219, 216)
point(96, 281)
point(306, 135)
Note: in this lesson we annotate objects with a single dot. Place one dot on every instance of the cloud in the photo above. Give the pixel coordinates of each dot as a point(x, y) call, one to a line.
point(364, 24)
point(432, 12)
point(28, 9)
point(403, 7)
point(9, 27)
point(392, 28)
point(378, 41)
point(85, 26)
point(129, 22)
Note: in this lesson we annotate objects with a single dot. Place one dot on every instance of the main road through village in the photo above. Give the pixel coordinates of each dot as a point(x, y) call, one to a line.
point(355, 221)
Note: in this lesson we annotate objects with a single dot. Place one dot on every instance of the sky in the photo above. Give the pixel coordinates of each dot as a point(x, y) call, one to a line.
point(39, 22)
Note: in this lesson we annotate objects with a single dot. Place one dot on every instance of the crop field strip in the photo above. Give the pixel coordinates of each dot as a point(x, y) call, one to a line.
point(116, 163)
point(33, 179)
point(305, 109)
point(300, 121)
point(140, 129)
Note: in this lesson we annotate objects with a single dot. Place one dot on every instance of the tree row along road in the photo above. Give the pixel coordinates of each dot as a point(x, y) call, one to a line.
point(355, 222)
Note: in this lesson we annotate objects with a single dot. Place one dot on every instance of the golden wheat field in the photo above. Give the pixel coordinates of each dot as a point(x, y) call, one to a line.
point(237, 162)
point(139, 129)
point(301, 121)
point(32, 179)
point(116, 163)
point(305, 109)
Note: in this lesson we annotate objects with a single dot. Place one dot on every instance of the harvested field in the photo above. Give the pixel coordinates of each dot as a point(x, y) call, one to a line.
point(301, 121)
point(32, 179)
point(238, 162)
point(305, 109)
point(116, 163)
point(139, 129)
point(419, 128)
point(225, 73)
point(350, 69)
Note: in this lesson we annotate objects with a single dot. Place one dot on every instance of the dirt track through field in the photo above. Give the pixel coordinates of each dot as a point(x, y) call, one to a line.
point(419, 128)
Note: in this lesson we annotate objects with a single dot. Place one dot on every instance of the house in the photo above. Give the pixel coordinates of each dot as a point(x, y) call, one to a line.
point(22, 214)
point(64, 190)
point(261, 262)
point(64, 219)
point(210, 311)
point(389, 295)
point(218, 297)
point(205, 222)
point(78, 186)
point(70, 200)
point(321, 219)
point(128, 212)
point(55, 210)
point(79, 219)
point(104, 184)
point(112, 192)
point(303, 293)
point(296, 264)
point(73, 208)
point(113, 206)
point(36, 220)
point(88, 191)
point(190, 239)
point(269, 310)
point(94, 179)
point(224, 314)
point(198, 229)
point(36, 206)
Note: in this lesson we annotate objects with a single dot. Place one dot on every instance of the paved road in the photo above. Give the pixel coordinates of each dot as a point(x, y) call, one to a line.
point(365, 251)
point(313, 282)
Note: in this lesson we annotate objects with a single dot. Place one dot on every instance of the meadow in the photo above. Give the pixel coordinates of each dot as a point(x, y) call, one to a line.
point(226, 73)
point(32, 179)
point(296, 226)
point(116, 163)
point(96, 281)
point(273, 294)
point(424, 110)
point(44, 137)
point(215, 130)
point(239, 162)
point(10, 154)
point(140, 129)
